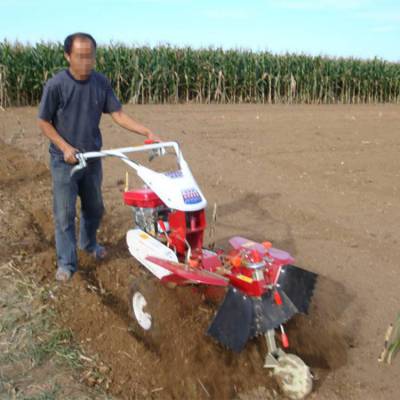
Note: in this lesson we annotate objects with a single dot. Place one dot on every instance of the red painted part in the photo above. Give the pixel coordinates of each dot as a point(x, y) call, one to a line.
point(188, 226)
point(194, 261)
point(277, 298)
point(210, 260)
point(285, 340)
point(177, 226)
point(242, 277)
point(144, 198)
point(150, 141)
point(190, 274)
point(253, 288)
point(256, 256)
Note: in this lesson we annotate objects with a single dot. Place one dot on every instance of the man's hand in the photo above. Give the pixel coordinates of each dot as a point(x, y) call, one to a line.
point(154, 137)
point(48, 129)
point(69, 154)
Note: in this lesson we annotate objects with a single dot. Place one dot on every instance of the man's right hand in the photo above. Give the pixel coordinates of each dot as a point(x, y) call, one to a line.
point(69, 151)
point(69, 155)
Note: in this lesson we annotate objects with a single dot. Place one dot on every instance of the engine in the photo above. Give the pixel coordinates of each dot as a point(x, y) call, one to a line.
point(180, 230)
point(148, 210)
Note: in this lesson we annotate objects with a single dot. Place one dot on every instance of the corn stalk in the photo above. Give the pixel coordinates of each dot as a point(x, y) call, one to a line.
point(167, 74)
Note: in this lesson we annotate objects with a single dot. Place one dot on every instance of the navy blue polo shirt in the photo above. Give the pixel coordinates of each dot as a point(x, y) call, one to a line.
point(74, 108)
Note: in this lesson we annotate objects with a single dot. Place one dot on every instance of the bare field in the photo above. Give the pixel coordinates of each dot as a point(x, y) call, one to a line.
point(319, 181)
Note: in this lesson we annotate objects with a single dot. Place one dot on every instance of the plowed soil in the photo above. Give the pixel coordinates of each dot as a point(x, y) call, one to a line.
point(318, 181)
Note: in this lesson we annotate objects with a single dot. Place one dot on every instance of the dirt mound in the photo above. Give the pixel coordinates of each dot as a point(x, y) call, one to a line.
point(25, 218)
point(317, 338)
point(16, 168)
point(185, 363)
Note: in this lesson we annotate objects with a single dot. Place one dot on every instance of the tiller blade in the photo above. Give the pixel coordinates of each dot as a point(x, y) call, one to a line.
point(242, 317)
point(233, 322)
point(298, 285)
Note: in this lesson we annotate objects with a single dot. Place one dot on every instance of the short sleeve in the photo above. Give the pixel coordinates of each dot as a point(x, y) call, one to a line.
point(111, 104)
point(50, 102)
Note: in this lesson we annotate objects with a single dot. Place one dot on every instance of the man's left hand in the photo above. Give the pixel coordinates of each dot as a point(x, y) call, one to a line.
point(154, 137)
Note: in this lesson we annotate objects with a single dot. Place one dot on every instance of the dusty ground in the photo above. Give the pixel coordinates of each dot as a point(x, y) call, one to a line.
point(318, 181)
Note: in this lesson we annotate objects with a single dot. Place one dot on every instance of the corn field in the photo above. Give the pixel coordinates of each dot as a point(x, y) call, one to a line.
point(166, 74)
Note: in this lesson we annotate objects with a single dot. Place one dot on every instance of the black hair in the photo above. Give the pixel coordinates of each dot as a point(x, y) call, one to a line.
point(69, 41)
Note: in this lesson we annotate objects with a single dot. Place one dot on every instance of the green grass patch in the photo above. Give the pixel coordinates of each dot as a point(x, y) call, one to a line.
point(34, 350)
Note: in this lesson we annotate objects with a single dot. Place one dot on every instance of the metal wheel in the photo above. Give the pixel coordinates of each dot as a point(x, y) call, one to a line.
point(144, 310)
point(294, 376)
point(139, 304)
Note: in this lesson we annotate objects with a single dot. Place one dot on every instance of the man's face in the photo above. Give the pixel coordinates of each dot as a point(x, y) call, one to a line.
point(82, 57)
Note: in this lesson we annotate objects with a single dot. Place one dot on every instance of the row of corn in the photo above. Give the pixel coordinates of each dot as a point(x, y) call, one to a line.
point(167, 74)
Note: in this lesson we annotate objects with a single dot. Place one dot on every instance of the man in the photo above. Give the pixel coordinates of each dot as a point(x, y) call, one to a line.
point(69, 115)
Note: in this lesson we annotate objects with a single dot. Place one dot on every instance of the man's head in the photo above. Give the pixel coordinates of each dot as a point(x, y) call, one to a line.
point(80, 52)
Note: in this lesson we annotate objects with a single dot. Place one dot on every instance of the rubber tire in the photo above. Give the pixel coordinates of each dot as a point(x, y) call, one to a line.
point(149, 288)
point(294, 377)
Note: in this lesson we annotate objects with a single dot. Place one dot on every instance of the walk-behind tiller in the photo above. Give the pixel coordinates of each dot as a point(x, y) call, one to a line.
point(263, 287)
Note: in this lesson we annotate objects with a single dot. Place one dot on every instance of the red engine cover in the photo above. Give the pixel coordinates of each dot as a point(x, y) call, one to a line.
point(144, 198)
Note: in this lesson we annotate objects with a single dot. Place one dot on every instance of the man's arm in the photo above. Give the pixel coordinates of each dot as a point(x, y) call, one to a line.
point(48, 130)
point(130, 124)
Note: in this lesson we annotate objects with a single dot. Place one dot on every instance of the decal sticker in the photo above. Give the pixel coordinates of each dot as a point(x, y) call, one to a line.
point(174, 174)
point(191, 196)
